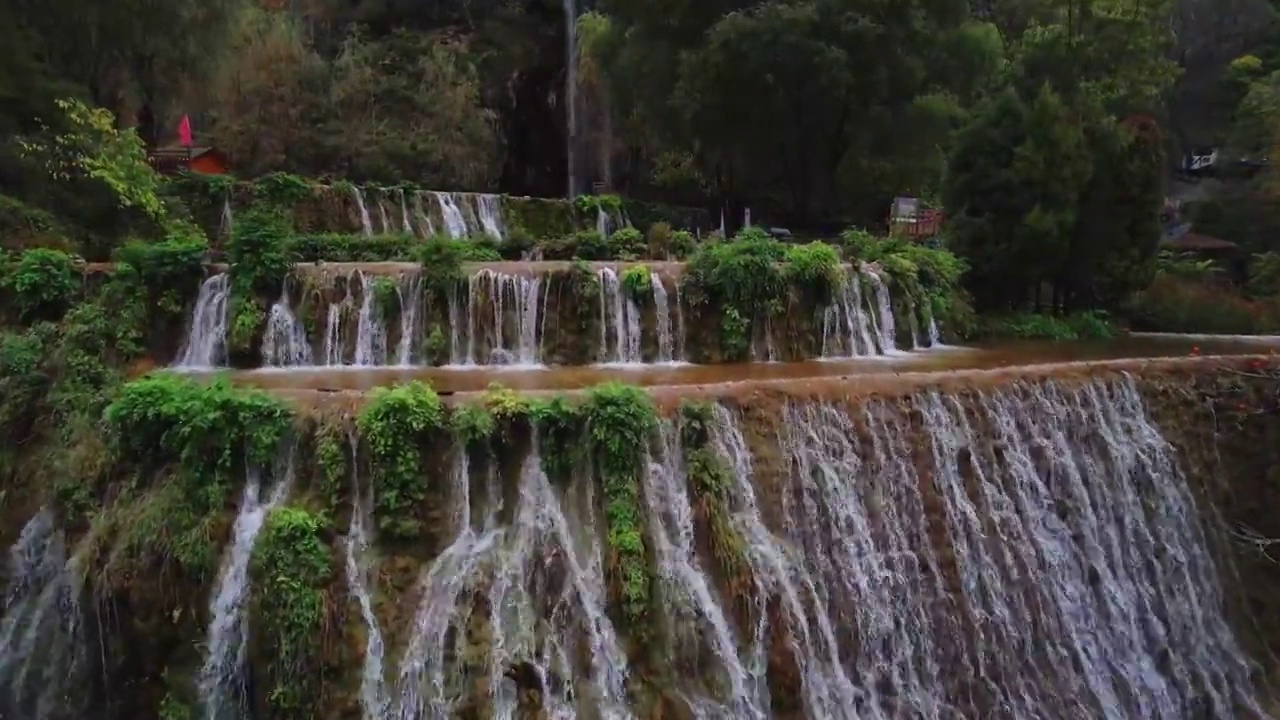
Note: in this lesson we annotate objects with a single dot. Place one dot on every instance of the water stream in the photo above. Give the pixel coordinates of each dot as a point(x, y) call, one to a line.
point(222, 681)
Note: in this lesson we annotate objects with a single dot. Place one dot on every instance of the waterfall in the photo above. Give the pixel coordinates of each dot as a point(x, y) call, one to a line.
point(454, 222)
point(366, 224)
point(222, 683)
point(43, 663)
point(489, 213)
point(226, 221)
point(686, 590)
point(778, 573)
point(371, 331)
point(373, 693)
point(883, 319)
point(500, 291)
point(206, 344)
point(679, 338)
point(571, 93)
point(1039, 555)
point(410, 291)
point(383, 216)
point(284, 343)
point(426, 228)
point(619, 312)
point(543, 596)
point(602, 223)
point(846, 330)
point(662, 307)
point(405, 226)
point(333, 349)
point(935, 338)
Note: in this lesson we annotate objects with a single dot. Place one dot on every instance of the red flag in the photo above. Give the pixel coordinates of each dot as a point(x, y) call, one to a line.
point(184, 132)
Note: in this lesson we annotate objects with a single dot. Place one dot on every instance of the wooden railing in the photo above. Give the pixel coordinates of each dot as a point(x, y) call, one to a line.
point(926, 224)
point(168, 161)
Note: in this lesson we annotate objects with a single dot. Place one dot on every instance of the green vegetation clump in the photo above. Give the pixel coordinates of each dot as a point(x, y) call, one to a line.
point(184, 446)
point(561, 427)
point(291, 569)
point(814, 269)
point(637, 281)
point(1033, 326)
point(399, 426)
point(39, 284)
point(620, 420)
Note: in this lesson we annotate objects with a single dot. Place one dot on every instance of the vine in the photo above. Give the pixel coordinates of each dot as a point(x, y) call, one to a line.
point(620, 420)
point(398, 424)
point(290, 569)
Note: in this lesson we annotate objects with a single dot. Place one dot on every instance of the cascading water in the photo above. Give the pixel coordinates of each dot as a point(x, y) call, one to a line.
point(489, 213)
point(542, 598)
point(935, 338)
point(374, 700)
point(619, 313)
point(366, 223)
point(883, 321)
point(42, 632)
point(284, 342)
point(384, 217)
point(846, 331)
point(662, 308)
point(498, 291)
point(426, 228)
point(454, 222)
point(371, 331)
point(696, 619)
point(206, 344)
point(1040, 557)
point(410, 291)
point(226, 221)
point(571, 94)
point(222, 682)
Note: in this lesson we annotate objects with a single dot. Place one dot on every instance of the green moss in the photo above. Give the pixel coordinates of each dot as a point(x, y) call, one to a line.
point(711, 486)
point(290, 569)
point(246, 318)
point(620, 420)
point(398, 426)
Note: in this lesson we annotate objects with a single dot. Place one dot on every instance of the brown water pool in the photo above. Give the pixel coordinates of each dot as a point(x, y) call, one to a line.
point(1003, 354)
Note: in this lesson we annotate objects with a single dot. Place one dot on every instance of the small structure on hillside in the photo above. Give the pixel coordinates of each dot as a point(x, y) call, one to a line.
point(183, 156)
point(908, 218)
point(170, 160)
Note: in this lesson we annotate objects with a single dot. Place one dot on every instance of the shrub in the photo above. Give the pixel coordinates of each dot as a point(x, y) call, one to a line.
point(637, 281)
point(626, 244)
point(397, 425)
point(41, 284)
point(814, 267)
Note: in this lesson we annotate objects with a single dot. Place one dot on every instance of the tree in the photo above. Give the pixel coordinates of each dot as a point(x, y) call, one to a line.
point(1014, 183)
